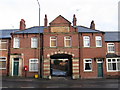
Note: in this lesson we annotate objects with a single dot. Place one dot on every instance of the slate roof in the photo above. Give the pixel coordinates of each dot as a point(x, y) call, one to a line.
point(83, 29)
point(111, 55)
point(109, 36)
point(32, 30)
point(6, 33)
point(112, 36)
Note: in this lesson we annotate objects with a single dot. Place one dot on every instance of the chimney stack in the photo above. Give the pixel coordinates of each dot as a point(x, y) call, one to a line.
point(45, 21)
point(74, 20)
point(92, 26)
point(22, 24)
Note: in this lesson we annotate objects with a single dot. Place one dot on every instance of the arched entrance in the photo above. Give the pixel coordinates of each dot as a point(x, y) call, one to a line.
point(61, 65)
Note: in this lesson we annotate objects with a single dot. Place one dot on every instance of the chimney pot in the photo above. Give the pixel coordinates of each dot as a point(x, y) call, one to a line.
point(92, 26)
point(22, 24)
point(74, 20)
point(45, 21)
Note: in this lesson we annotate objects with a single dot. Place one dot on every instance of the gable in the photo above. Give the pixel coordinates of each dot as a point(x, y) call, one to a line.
point(60, 21)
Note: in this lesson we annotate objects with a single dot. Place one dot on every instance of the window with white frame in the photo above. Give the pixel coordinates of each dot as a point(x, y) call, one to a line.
point(87, 64)
point(110, 47)
point(113, 64)
point(98, 41)
point(67, 41)
point(3, 44)
point(16, 43)
point(53, 41)
point(34, 42)
point(2, 62)
point(33, 65)
point(86, 40)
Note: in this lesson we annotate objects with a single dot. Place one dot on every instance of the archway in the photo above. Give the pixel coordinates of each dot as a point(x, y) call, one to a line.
point(61, 65)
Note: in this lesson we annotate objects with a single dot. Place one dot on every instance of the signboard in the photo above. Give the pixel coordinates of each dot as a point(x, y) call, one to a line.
point(59, 29)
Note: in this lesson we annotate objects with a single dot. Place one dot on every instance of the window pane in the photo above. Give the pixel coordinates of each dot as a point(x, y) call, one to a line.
point(118, 64)
point(2, 64)
point(98, 41)
point(86, 41)
point(34, 42)
point(67, 43)
point(114, 66)
point(113, 60)
point(110, 66)
point(109, 60)
point(16, 43)
point(53, 41)
point(3, 44)
point(111, 47)
point(33, 65)
point(88, 66)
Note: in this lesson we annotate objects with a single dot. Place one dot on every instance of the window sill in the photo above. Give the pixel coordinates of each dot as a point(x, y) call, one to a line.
point(98, 46)
point(110, 52)
point(33, 48)
point(53, 47)
point(88, 71)
point(2, 68)
point(113, 71)
point(68, 47)
point(2, 49)
point(16, 48)
point(33, 71)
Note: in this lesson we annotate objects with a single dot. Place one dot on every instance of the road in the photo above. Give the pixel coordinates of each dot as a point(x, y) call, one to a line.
point(60, 82)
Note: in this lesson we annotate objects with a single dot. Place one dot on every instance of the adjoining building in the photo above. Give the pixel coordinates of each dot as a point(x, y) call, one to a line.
point(60, 49)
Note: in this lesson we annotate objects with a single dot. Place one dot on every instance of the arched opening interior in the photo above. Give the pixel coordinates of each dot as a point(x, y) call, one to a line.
point(61, 65)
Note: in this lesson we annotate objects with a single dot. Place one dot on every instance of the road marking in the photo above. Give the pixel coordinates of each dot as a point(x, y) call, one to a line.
point(27, 87)
point(3, 87)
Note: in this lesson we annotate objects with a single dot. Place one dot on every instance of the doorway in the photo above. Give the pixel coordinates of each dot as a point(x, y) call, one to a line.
point(61, 65)
point(100, 68)
point(15, 66)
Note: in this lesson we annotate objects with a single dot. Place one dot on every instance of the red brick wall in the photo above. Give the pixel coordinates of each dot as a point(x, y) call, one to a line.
point(117, 47)
point(117, 52)
point(91, 53)
point(4, 53)
point(26, 50)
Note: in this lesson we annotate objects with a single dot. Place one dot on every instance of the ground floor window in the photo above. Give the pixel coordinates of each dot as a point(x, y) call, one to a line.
point(87, 64)
point(113, 64)
point(33, 65)
point(2, 62)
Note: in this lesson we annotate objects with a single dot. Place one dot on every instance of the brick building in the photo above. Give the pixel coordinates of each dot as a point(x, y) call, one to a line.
point(60, 49)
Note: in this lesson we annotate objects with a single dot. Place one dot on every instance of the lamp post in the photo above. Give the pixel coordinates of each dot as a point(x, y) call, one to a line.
point(39, 12)
point(40, 42)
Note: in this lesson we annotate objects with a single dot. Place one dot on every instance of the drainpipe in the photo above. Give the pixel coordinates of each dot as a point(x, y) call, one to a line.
point(79, 51)
point(8, 59)
point(41, 55)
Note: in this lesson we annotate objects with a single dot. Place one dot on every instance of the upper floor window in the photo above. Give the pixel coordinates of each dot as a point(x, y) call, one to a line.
point(86, 40)
point(2, 62)
point(3, 44)
point(33, 65)
point(53, 41)
point(34, 42)
point(16, 43)
point(87, 64)
point(67, 41)
point(110, 47)
point(98, 41)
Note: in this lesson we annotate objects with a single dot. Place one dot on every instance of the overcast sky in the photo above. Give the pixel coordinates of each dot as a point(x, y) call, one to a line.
point(103, 12)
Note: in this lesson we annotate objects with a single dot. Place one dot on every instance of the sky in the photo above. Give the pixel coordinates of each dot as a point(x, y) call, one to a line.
point(103, 12)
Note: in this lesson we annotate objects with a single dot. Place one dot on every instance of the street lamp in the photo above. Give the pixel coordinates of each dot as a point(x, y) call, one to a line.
point(39, 12)
point(40, 42)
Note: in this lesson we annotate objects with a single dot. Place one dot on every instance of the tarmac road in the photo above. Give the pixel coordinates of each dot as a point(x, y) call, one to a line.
point(59, 82)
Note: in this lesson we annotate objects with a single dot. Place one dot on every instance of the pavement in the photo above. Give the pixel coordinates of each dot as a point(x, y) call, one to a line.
point(58, 82)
